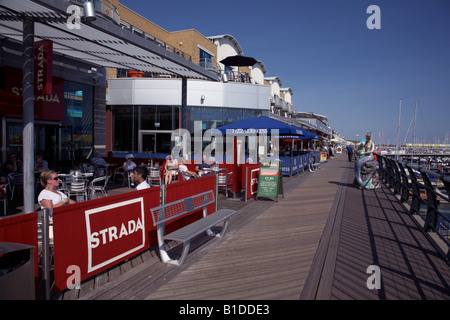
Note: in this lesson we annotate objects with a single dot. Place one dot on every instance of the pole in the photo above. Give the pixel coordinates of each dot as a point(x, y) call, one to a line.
point(414, 134)
point(28, 115)
point(398, 127)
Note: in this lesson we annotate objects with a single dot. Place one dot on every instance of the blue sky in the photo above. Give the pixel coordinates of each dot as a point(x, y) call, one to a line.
point(335, 65)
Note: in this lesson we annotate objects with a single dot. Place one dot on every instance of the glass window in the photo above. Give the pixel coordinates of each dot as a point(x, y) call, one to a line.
point(128, 120)
point(205, 59)
point(78, 116)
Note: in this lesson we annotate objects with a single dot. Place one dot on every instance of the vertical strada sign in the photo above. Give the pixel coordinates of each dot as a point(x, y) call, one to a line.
point(43, 67)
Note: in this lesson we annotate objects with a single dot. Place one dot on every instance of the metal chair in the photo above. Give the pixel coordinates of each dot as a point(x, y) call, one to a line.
point(174, 174)
point(14, 179)
point(225, 178)
point(98, 184)
point(122, 172)
point(99, 171)
point(154, 177)
point(78, 187)
point(3, 197)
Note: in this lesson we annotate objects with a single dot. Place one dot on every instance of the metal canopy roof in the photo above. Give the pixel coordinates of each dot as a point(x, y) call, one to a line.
point(100, 42)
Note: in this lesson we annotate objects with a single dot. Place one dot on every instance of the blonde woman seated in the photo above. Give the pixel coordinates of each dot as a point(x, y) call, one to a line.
point(185, 173)
point(170, 169)
point(50, 197)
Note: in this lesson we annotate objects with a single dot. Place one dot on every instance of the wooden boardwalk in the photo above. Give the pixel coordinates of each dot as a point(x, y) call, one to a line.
point(316, 243)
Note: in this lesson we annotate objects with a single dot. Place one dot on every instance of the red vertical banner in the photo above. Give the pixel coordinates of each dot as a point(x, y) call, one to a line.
point(43, 67)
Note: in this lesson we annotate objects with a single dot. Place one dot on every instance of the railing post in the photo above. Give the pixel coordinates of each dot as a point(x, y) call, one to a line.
point(46, 263)
point(415, 197)
point(217, 190)
point(432, 212)
point(246, 184)
point(404, 196)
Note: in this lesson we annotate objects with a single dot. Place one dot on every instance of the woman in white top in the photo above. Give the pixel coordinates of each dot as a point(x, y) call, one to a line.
point(50, 197)
point(185, 173)
point(171, 168)
point(129, 165)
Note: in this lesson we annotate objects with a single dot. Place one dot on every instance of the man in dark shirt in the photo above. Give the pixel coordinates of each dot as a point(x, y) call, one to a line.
point(200, 168)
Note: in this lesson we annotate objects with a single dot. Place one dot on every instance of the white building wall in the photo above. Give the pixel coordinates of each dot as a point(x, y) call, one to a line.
point(167, 92)
point(226, 46)
point(144, 91)
point(257, 74)
point(230, 95)
point(287, 97)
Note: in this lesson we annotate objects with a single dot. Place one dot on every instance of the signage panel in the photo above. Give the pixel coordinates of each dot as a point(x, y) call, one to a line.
point(114, 231)
point(43, 67)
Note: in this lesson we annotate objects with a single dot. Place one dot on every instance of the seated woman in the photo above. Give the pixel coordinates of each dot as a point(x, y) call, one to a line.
point(129, 164)
point(50, 197)
point(171, 169)
point(185, 173)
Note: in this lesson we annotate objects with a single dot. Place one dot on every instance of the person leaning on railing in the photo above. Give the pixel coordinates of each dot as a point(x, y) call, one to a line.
point(50, 197)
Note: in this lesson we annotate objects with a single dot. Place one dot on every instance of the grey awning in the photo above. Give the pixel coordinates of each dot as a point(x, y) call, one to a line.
point(101, 42)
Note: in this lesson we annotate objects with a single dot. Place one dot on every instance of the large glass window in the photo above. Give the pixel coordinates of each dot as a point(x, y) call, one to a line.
point(78, 119)
point(212, 117)
point(130, 120)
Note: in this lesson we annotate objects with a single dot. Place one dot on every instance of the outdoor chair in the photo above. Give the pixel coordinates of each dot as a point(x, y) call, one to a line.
point(3, 197)
point(174, 175)
point(98, 184)
point(78, 188)
point(99, 171)
point(154, 177)
point(225, 179)
point(125, 175)
point(14, 179)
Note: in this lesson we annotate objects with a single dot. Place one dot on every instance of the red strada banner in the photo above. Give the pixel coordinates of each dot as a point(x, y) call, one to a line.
point(94, 235)
point(114, 231)
point(46, 106)
point(43, 67)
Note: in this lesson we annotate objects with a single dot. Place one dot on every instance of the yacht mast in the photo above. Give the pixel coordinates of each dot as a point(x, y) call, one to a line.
point(398, 128)
point(414, 134)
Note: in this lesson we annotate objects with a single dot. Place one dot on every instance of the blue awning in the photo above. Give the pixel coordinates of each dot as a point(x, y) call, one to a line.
point(308, 135)
point(261, 125)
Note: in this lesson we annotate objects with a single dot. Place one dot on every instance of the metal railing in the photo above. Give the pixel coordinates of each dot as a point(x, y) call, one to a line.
point(427, 193)
point(210, 65)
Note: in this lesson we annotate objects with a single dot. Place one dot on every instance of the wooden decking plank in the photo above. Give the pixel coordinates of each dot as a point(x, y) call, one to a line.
point(257, 261)
point(254, 248)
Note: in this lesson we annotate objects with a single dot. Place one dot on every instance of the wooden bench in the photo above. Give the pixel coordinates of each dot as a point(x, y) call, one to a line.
point(176, 209)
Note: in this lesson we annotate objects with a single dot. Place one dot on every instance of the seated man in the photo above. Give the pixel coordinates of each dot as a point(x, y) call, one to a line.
point(97, 160)
point(200, 167)
point(139, 177)
point(185, 173)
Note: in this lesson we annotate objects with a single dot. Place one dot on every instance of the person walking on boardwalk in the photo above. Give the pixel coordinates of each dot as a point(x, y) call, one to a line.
point(350, 151)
